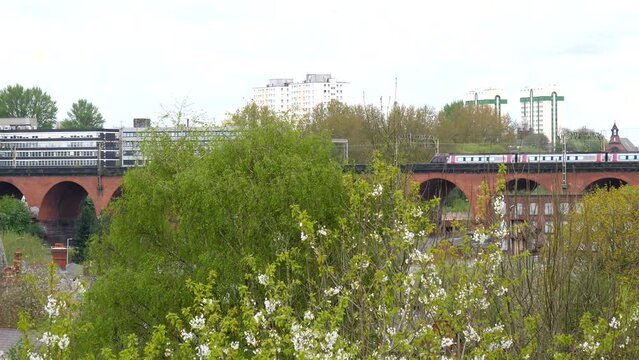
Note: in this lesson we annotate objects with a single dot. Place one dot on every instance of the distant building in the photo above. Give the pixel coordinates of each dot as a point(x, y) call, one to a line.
point(619, 144)
point(487, 97)
point(540, 111)
point(18, 123)
point(284, 94)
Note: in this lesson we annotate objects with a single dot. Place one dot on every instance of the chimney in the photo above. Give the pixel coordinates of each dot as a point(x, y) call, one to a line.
point(17, 261)
point(59, 254)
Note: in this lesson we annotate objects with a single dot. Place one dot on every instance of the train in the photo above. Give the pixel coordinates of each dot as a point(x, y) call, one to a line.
point(549, 158)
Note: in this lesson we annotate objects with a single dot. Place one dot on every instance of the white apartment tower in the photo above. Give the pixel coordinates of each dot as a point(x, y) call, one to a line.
point(540, 111)
point(300, 97)
point(487, 97)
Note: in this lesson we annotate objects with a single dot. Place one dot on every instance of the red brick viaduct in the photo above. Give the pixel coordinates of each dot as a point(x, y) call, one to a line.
point(55, 200)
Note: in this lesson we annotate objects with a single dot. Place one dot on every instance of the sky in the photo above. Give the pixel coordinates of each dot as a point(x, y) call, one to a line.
point(139, 58)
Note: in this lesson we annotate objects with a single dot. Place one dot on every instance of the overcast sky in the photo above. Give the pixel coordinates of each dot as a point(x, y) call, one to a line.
point(131, 58)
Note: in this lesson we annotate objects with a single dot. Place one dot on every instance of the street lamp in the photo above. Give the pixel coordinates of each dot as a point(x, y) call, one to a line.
point(68, 240)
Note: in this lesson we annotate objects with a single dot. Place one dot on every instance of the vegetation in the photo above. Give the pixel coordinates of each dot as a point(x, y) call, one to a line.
point(18, 102)
point(86, 226)
point(260, 247)
point(14, 216)
point(83, 115)
point(33, 249)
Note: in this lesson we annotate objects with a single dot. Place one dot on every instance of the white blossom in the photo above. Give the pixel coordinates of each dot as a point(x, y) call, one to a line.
point(203, 351)
point(446, 342)
point(303, 236)
point(321, 231)
point(34, 356)
point(614, 323)
point(186, 336)
point(480, 237)
point(333, 291)
point(51, 307)
point(250, 339)
point(197, 322)
point(270, 305)
point(377, 190)
point(262, 279)
point(499, 206)
point(235, 345)
point(308, 316)
point(471, 335)
point(63, 342)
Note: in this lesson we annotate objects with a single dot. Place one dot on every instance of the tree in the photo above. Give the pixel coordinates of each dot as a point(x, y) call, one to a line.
point(479, 125)
point(14, 215)
point(200, 206)
point(86, 226)
point(583, 140)
point(18, 102)
point(83, 115)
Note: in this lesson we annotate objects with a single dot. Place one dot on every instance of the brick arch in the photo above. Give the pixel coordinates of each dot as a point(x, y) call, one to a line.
point(523, 185)
point(62, 201)
point(10, 189)
point(437, 188)
point(117, 193)
point(605, 182)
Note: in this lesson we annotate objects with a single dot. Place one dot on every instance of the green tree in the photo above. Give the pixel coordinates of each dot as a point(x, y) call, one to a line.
point(83, 115)
point(18, 102)
point(198, 206)
point(479, 125)
point(583, 140)
point(86, 225)
point(14, 215)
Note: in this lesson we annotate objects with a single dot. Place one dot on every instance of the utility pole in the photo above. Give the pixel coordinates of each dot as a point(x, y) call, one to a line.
point(564, 180)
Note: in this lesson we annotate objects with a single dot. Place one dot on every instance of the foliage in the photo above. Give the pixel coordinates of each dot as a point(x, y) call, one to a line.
point(22, 294)
point(200, 206)
point(14, 216)
point(229, 250)
point(83, 115)
point(86, 226)
point(457, 123)
point(18, 102)
point(606, 224)
point(584, 140)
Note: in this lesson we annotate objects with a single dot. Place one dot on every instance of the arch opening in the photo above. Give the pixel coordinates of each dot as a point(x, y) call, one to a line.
point(605, 183)
point(453, 205)
point(8, 189)
point(525, 186)
point(60, 209)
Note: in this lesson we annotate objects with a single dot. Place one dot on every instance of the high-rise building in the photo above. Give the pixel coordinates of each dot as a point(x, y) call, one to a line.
point(300, 97)
point(540, 111)
point(487, 97)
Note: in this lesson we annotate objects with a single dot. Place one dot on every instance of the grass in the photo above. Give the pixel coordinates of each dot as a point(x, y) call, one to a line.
point(33, 249)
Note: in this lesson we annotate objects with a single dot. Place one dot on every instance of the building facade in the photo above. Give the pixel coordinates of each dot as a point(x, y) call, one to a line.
point(540, 111)
point(488, 97)
point(282, 95)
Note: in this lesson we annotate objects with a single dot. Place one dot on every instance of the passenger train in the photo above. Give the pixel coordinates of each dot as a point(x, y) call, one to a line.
point(601, 157)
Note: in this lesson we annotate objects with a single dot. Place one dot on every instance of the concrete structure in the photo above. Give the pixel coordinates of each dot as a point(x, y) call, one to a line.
point(487, 97)
point(18, 123)
point(284, 94)
point(540, 111)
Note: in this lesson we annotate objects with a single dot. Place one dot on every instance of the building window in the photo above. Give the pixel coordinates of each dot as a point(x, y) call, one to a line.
point(519, 209)
point(548, 208)
point(564, 208)
point(548, 227)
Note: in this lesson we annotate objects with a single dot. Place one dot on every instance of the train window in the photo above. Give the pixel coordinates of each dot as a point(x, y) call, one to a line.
point(635, 157)
point(543, 158)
